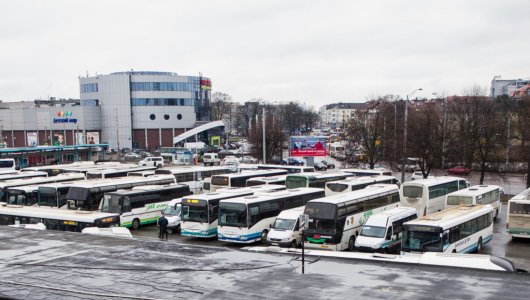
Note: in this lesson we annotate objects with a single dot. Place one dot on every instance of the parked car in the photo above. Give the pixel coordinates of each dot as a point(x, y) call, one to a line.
point(211, 159)
point(459, 170)
point(294, 162)
point(278, 161)
point(328, 164)
point(320, 166)
point(155, 161)
point(132, 156)
point(232, 165)
point(248, 160)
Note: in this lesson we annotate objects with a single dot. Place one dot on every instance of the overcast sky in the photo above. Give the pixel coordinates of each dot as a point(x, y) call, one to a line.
point(316, 52)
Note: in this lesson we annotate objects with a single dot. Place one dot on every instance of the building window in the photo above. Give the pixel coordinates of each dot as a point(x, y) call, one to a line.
point(89, 88)
point(162, 86)
point(161, 102)
point(166, 117)
point(152, 117)
point(179, 117)
point(89, 102)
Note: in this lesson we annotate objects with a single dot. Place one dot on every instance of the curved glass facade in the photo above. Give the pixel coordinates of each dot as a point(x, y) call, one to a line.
point(161, 102)
point(163, 86)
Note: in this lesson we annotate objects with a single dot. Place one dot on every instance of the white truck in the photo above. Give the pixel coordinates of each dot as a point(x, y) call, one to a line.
point(211, 159)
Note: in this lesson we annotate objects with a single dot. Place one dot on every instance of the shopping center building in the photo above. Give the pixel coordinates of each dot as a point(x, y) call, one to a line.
point(125, 110)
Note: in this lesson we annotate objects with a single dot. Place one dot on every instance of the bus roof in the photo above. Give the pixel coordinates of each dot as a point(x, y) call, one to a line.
point(120, 169)
point(144, 188)
point(28, 174)
point(179, 170)
point(252, 173)
point(359, 195)
point(271, 195)
point(254, 189)
point(452, 216)
point(52, 213)
point(268, 178)
point(37, 180)
point(363, 179)
point(523, 196)
point(475, 190)
point(24, 188)
point(320, 175)
point(120, 180)
point(432, 181)
point(367, 171)
point(286, 167)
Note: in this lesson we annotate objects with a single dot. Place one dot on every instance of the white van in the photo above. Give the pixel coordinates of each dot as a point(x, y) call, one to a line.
point(286, 231)
point(382, 231)
point(7, 164)
point(172, 212)
point(211, 159)
point(152, 161)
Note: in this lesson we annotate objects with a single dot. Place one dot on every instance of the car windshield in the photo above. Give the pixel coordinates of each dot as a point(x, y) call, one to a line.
point(284, 224)
point(412, 191)
point(172, 210)
point(233, 214)
point(373, 231)
point(195, 211)
point(422, 239)
point(111, 204)
point(457, 200)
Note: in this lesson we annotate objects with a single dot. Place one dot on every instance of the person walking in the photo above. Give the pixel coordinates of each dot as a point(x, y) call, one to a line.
point(162, 226)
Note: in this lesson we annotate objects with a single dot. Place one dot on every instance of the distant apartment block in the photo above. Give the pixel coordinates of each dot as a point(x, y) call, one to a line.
point(515, 88)
point(336, 114)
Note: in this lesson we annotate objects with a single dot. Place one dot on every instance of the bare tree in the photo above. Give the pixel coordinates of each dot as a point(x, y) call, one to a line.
point(522, 122)
point(220, 105)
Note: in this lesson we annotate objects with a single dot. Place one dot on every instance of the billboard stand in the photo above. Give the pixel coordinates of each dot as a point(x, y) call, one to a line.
point(310, 161)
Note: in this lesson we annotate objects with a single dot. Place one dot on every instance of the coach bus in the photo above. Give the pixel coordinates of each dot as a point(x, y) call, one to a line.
point(114, 172)
point(248, 219)
point(518, 215)
point(357, 183)
point(143, 204)
point(200, 212)
point(240, 179)
point(459, 229)
point(22, 175)
point(336, 221)
point(477, 194)
point(428, 195)
point(35, 181)
point(195, 176)
point(55, 219)
point(88, 194)
point(316, 180)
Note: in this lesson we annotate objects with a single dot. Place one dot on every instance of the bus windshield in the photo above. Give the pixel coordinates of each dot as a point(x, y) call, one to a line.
point(318, 210)
point(233, 214)
point(457, 200)
point(196, 211)
point(411, 191)
point(111, 204)
point(284, 224)
point(422, 239)
point(373, 231)
point(47, 196)
point(296, 182)
point(220, 180)
point(17, 198)
point(172, 210)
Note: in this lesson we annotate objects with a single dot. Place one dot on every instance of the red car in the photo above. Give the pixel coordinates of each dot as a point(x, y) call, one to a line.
point(460, 170)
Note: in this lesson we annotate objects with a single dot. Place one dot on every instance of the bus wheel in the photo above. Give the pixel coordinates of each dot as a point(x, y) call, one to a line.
point(264, 235)
point(479, 245)
point(454, 250)
point(496, 214)
point(135, 224)
point(351, 243)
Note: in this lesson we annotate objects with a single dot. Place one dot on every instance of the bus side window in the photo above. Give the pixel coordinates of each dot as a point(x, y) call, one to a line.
point(254, 215)
point(126, 204)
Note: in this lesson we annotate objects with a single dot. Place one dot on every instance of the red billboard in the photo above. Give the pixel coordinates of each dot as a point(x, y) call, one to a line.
point(307, 145)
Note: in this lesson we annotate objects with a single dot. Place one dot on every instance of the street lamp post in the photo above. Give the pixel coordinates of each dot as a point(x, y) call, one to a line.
point(404, 158)
point(264, 144)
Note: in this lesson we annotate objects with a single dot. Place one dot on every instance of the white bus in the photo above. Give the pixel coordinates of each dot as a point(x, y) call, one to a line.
point(23, 195)
point(368, 172)
point(459, 229)
point(335, 221)
point(317, 180)
point(142, 173)
point(290, 169)
point(477, 194)
point(114, 172)
point(240, 179)
point(267, 180)
point(55, 219)
point(357, 183)
point(53, 170)
point(428, 195)
point(248, 219)
point(200, 212)
point(143, 204)
point(22, 175)
point(518, 215)
point(195, 176)
point(35, 181)
point(87, 195)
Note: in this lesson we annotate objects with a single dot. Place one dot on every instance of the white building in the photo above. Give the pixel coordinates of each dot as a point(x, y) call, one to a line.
point(506, 87)
point(336, 114)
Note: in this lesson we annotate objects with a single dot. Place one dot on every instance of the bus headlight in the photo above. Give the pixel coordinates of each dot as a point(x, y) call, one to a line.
point(204, 232)
point(107, 220)
point(243, 238)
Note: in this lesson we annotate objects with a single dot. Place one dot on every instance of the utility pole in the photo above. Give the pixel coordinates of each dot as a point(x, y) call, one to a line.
point(117, 131)
point(264, 145)
point(404, 158)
